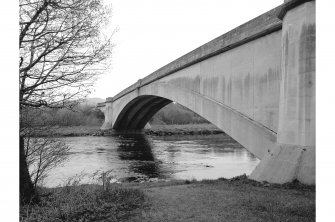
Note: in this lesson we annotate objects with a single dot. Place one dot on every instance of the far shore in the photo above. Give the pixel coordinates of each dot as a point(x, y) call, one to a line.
point(156, 130)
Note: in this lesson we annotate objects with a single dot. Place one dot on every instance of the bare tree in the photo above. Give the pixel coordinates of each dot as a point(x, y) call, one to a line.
point(62, 51)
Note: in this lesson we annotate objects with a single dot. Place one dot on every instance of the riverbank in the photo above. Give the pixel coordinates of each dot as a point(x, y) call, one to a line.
point(237, 199)
point(157, 130)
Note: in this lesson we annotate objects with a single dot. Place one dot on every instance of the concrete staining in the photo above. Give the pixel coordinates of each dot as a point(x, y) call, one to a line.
point(256, 83)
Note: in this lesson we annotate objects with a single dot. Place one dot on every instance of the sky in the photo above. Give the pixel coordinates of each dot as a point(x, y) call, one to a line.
point(153, 33)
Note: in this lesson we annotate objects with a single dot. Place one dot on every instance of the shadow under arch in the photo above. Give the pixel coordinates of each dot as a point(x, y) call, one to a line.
point(139, 111)
point(137, 150)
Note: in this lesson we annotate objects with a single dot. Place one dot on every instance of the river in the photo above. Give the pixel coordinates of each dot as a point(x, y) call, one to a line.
point(139, 157)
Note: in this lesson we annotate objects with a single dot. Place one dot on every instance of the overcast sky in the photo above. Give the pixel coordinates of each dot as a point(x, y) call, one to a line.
point(153, 33)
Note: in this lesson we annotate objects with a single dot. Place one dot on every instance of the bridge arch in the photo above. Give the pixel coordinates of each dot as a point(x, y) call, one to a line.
point(136, 108)
point(139, 111)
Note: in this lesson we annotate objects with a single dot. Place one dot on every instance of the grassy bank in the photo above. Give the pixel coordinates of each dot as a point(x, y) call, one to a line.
point(84, 203)
point(229, 201)
point(237, 199)
point(158, 130)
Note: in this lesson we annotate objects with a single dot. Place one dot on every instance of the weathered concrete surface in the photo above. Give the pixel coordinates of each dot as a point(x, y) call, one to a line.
point(239, 83)
point(294, 155)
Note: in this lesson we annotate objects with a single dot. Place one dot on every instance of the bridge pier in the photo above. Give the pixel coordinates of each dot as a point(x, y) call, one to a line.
point(294, 155)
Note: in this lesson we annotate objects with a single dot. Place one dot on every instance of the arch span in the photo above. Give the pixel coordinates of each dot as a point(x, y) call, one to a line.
point(135, 109)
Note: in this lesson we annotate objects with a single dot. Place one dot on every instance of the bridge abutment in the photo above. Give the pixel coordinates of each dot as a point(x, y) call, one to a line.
point(107, 109)
point(294, 155)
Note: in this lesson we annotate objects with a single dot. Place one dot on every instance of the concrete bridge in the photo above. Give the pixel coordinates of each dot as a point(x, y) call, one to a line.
point(256, 83)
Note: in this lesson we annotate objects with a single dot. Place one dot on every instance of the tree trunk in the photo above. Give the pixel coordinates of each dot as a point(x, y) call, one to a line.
point(27, 191)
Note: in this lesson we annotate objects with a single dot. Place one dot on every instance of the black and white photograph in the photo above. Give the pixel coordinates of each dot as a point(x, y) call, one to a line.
point(174, 111)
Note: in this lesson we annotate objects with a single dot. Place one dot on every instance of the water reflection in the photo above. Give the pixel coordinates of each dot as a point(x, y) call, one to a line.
point(134, 147)
point(137, 151)
point(140, 156)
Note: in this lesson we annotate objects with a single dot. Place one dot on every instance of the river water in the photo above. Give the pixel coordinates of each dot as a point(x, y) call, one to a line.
point(139, 157)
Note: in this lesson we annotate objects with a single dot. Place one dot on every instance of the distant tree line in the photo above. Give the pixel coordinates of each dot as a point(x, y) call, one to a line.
point(176, 114)
point(86, 114)
point(80, 115)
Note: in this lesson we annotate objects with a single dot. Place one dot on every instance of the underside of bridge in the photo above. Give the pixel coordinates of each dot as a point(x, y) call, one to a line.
point(139, 111)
